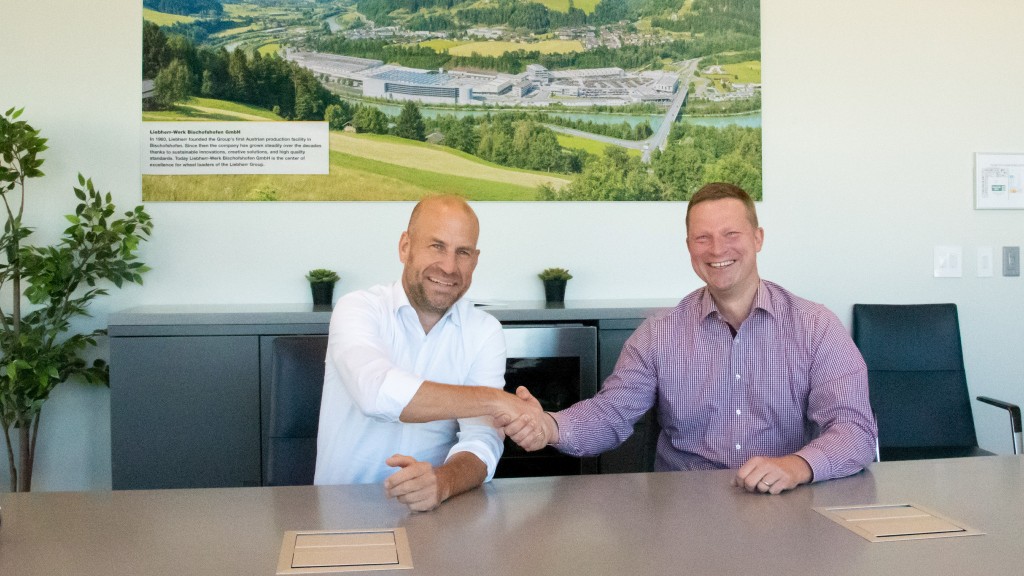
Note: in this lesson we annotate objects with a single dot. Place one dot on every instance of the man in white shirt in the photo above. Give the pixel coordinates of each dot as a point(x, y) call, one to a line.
point(414, 372)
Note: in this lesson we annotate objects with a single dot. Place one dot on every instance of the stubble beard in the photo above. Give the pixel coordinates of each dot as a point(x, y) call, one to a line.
point(421, 300)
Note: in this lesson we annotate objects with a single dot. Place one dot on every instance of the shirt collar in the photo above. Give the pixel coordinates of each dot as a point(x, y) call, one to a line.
point(763, 300)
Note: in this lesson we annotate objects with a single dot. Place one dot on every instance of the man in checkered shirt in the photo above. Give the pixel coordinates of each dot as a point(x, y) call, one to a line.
point(743, 374)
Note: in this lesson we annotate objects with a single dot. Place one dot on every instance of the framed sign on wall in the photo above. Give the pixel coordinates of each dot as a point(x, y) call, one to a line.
point(998, 180)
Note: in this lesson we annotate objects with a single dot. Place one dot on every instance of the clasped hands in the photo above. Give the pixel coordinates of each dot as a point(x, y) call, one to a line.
point(522, 419)
point(422, 487)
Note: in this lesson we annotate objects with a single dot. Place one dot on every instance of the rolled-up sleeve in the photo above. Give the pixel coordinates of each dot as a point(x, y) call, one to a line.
point(360, 352)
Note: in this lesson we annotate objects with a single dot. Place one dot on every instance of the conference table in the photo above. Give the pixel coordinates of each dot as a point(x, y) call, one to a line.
point(614, 524)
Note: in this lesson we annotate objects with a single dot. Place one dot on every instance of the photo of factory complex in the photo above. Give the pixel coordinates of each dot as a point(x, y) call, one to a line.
point(537, 86)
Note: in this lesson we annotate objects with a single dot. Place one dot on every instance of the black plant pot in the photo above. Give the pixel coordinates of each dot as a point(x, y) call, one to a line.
point(323, 293)
point(554, 290)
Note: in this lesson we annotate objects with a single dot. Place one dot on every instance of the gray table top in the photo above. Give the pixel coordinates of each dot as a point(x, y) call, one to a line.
point(658, 523)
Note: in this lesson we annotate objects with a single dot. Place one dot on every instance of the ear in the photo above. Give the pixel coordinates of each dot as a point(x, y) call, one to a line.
point(758, 239)
point(404, 245)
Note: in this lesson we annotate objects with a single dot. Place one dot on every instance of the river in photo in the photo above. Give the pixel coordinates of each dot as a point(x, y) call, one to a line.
point(752, 120)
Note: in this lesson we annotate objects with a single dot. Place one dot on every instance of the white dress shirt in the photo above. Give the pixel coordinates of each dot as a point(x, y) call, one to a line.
point(377, 358)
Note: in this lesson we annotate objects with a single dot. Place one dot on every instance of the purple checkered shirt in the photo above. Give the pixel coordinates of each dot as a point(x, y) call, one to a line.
point(790, 381)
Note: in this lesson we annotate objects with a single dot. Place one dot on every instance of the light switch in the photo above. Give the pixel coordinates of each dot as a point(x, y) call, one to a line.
point(984, 261)
point(1011, 260)
point(948, 262)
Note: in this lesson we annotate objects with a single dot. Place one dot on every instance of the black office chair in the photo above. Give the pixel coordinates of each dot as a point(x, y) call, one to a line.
point(295, 390)
point(917, 382)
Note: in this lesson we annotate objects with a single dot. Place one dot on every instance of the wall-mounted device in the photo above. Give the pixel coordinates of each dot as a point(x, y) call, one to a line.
point(1011, 260)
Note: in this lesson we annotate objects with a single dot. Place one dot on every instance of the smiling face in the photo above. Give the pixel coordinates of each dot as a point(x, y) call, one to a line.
point(439, 252)
point(723, 245)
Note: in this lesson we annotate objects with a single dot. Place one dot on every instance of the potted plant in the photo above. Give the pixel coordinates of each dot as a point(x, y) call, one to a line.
point(555, 280)
point(321, 283)
point(38, 349)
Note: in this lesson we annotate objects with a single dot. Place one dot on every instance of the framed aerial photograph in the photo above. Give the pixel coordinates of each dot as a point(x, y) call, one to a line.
point(505, 100)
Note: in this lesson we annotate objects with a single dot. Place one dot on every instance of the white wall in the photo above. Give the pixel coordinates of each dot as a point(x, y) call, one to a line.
point(872, 114)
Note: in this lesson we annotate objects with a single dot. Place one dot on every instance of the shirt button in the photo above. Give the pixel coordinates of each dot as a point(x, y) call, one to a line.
point(738, 412)
point(737, 446)
point(737, 376)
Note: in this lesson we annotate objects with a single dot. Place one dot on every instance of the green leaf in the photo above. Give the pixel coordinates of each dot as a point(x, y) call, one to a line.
point(92, 250)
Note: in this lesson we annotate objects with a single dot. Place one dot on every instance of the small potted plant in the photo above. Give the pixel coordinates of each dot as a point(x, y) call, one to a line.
point(321, 282)
point(554, 283)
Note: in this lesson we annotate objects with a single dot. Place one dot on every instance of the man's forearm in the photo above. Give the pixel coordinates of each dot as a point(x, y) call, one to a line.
point(462, 472)
point(435, 401)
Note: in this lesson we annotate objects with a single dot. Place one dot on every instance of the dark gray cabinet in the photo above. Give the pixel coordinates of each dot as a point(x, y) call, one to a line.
point(182, 412)
point(189, 386)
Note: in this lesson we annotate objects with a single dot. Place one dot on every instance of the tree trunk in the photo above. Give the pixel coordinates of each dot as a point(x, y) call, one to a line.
point(21, 479)
point(25, 457)
point(10, 459)
point(32, 450)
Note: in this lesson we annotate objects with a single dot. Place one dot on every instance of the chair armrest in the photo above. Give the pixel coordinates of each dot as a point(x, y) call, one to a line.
point(1013, 409)
point(1015, 426)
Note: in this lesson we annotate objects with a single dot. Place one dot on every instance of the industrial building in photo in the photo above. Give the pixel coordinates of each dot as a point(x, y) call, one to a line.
point(537, 86)
point(398, 83)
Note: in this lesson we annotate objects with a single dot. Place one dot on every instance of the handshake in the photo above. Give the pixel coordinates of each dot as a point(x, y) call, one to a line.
point(522, 419)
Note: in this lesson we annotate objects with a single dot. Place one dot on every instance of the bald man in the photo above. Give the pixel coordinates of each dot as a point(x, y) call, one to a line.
point(414, 372)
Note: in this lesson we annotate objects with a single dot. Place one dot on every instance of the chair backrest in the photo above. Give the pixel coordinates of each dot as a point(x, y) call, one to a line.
point(916, 375)
point(296, 387)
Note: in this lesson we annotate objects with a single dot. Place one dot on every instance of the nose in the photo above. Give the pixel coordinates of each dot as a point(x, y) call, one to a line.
point(715, 245)
point(447, 262)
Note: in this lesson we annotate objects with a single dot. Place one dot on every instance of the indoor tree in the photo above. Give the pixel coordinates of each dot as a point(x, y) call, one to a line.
point(44, 288)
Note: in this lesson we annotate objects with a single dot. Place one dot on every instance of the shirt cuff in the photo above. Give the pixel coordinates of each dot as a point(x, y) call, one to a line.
point(564, 431)
point(480, 450)
point(396, 392)
point(821, 468)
